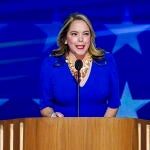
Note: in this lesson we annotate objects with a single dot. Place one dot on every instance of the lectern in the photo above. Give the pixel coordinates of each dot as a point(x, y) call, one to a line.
point(75, 134)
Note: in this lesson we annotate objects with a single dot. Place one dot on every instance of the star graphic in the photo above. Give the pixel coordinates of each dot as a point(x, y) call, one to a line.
point(52, 31)
point(3, 25)
point(36, 100)
point(12, 77)
point(3, 100)
point(129, 106)
point(127, 33)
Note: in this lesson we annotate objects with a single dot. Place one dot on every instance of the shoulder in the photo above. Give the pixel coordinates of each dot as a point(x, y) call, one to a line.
point(106, 59)
point(111, 62)
point(53, 61)
point(109, 57)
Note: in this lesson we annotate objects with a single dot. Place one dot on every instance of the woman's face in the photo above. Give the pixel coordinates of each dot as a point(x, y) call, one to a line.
point(78, 38)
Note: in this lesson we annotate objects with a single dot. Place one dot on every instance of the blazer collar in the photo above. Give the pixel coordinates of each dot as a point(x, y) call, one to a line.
point(60, 61)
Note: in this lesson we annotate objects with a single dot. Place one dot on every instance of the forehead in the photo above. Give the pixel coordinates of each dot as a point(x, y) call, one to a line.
point(78, 25)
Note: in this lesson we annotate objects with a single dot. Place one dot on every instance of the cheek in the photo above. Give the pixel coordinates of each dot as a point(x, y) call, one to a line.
point(88, 41)
point(71, 41)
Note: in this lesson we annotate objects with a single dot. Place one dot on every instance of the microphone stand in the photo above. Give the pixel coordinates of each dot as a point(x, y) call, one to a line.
point(78, 93)
point(78, 66)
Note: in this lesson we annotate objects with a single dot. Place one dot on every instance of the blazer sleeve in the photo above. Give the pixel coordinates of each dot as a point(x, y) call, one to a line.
point(114, 98)
point(46, 82)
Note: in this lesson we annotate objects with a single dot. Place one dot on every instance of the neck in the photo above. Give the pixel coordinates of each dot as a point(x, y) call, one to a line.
point(74, 57)
point(86, 59)
point(80, 57)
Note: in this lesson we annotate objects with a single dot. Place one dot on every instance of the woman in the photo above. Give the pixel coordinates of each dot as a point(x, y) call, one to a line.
point(99, 92)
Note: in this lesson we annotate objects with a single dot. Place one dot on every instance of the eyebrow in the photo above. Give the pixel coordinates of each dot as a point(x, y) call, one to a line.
point(77, 31)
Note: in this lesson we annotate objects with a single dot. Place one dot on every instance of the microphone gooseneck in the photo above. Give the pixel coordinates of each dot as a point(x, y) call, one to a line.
point(78, 66)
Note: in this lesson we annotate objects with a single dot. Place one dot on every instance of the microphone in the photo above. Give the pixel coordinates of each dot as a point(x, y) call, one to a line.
point(78, 66)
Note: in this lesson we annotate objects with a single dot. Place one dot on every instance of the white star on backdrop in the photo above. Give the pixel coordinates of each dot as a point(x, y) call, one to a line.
point(3, 101)
point(3, 25)
point(36, 100)
point(127, 33)
point(52, 31)
point(129, 106)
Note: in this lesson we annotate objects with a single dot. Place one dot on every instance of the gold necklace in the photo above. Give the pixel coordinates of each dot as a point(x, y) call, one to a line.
point(86, 65)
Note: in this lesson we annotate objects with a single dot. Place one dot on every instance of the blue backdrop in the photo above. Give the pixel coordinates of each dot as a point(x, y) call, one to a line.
point(28, 32)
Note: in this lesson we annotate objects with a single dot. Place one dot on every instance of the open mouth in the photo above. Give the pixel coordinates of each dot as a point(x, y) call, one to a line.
point(80, 47)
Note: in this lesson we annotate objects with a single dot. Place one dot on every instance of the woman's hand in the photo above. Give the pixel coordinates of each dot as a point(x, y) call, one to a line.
point(56, 114)
point(111, 112)
point(49, 112)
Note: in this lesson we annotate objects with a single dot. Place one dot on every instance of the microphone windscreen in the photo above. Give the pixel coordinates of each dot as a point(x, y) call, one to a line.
point(78, 64)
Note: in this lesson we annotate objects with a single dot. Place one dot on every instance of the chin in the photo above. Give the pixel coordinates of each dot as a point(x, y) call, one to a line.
point(81, 53)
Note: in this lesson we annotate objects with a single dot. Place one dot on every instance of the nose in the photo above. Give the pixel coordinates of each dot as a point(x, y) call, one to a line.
point(80, 38)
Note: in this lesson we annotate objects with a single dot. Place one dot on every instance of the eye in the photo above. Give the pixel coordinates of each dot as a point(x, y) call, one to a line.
point(73, 33)
point(86, 33)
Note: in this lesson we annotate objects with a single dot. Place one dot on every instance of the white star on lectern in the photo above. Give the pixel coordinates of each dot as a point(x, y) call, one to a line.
point(127, 33)
point(3, 100)
point(129, 106)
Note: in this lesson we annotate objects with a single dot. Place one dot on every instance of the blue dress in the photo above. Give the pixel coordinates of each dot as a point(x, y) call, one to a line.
point(59, 88)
